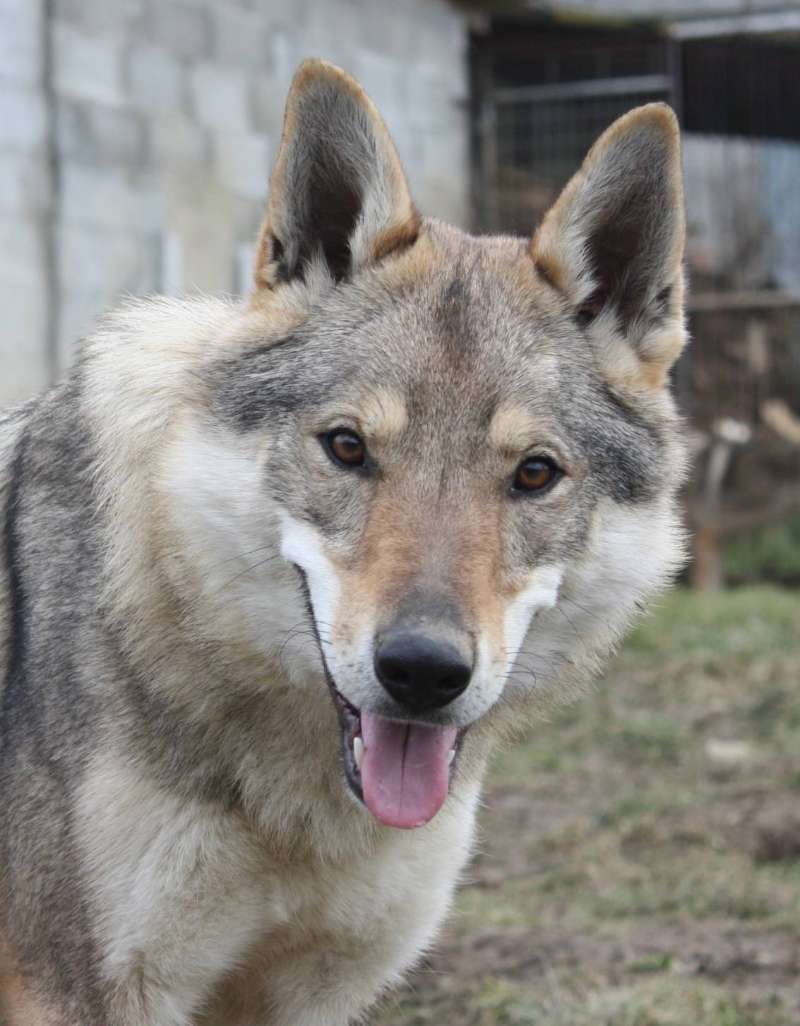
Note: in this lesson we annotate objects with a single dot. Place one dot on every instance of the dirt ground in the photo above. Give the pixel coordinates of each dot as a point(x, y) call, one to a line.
point(639, 862)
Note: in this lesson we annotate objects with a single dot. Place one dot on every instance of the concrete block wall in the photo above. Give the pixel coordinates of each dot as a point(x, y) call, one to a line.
point(137, 158)
point(24, 201)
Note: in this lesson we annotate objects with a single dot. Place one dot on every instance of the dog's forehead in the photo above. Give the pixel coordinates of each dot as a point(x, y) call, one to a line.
point(470, 332)
point(450, 332)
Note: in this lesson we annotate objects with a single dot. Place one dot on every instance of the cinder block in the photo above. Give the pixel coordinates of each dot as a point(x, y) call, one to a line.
point(182, 28)
point(240, 36)
point(23, 352)
point(410, 147)
point(177, 141)
point(106, 261)
point(267, 99)
point(119, 263)
point(391, 28)
point(116, 17)
point(220, 97)
point(88, 67)
point(24, 184)
point(244, 265)
point(93, 134)
point(21, 53)
point(441, 188)
point(22, 300)
point(242, 163)
point(385, 79)
point(78, 315)
point(435, 88)
point(331, 30)
point(156, 79)
point(108, 198)
point(21, 252)
point(170, 271)
point(268, 90)
point(23, 122)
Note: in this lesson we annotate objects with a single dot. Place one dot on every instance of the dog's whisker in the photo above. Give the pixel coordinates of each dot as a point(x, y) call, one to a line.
point(240, 555)
point(247, 570)
point(588, 612)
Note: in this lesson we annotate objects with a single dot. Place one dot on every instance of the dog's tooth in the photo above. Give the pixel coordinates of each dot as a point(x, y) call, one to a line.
point(358, 751)
point(451, 755)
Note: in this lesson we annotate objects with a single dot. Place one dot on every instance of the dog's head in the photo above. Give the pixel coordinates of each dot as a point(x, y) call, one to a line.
point(461, 442)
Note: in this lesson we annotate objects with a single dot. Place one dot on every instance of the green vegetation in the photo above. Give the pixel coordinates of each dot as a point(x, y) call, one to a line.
point(771, 553)
point(640, 861)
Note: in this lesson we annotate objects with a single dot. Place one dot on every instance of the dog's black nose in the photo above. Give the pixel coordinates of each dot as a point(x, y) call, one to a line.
point(421, 672)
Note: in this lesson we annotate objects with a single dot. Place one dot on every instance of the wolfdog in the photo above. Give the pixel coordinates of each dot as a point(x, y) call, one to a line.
point(279, 574)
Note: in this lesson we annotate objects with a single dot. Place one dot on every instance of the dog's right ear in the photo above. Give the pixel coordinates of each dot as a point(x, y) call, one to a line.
point(613, 245)
point(338, 199)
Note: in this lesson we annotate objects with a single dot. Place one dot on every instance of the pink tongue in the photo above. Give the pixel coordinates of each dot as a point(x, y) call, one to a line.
point(406, 770)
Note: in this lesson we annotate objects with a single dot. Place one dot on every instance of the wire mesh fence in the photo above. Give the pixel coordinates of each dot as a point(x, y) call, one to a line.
point(538, 136)
point(739, 382)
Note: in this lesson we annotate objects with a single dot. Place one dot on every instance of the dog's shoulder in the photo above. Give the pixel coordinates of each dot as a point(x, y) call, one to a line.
point(12, 426)
point(12, 430)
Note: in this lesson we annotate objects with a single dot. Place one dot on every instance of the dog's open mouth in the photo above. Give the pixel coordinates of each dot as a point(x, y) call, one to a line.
point(401, 771)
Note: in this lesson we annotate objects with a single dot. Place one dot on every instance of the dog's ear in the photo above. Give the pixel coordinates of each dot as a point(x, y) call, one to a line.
point(338, 199)
point(613, 244)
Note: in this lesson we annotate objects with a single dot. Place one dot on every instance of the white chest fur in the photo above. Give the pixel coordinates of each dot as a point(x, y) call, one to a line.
point(186, 895)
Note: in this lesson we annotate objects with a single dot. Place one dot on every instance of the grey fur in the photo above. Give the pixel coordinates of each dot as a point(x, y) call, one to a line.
point(158, 646)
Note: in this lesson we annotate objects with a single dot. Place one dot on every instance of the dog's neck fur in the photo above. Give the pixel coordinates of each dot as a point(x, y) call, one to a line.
point(171, 629)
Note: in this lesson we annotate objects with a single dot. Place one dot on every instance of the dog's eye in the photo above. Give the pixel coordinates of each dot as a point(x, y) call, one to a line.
point(345, 448)
point(536, 474)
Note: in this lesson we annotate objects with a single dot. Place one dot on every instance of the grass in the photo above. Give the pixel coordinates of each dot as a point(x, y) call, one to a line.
point(640, 856)
point(660, 1003)
point(768, 553)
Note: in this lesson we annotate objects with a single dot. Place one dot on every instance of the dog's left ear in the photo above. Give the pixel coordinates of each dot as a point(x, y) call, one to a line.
point(338, 199)
point(613, 245)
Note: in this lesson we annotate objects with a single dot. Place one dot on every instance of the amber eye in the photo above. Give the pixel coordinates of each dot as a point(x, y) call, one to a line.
point(345, 448)
point(536, 474)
